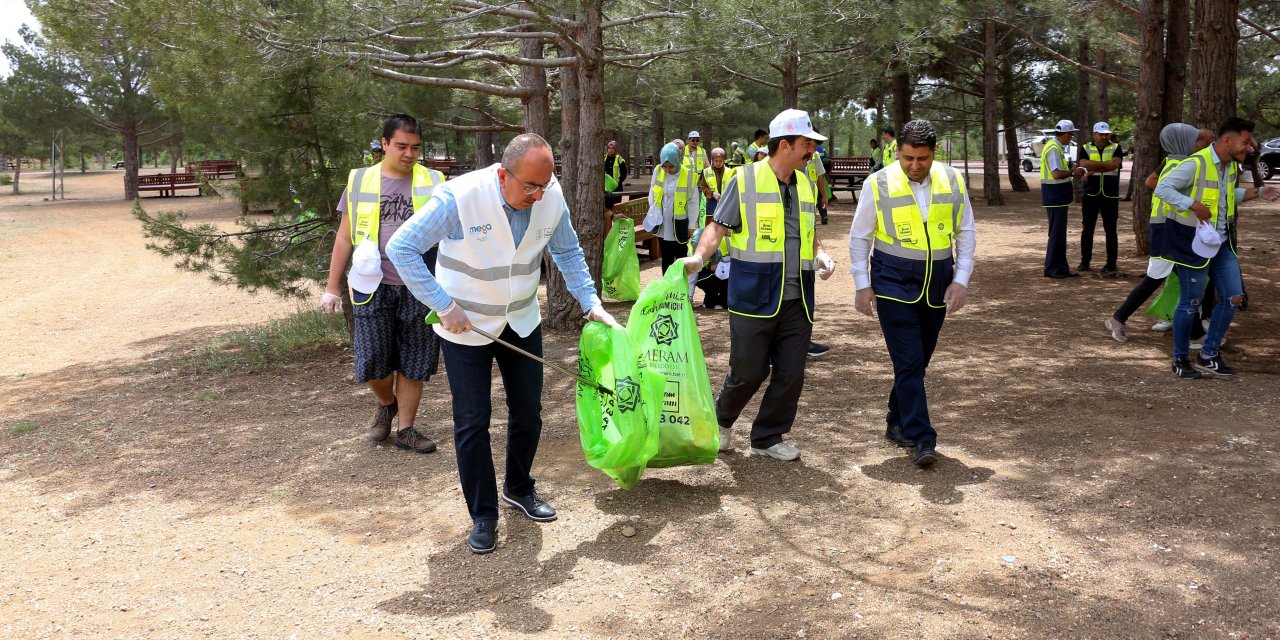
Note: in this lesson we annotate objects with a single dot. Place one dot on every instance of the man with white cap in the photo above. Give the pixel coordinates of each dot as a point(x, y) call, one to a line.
point(1102, 159)
point(493, 225)
point(1056, 194)
point(769, 211)
point(390, 337)
point(1200, 198)
point(694, 154)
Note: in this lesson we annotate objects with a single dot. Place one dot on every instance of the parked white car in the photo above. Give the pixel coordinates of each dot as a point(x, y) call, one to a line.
point(1029, 150)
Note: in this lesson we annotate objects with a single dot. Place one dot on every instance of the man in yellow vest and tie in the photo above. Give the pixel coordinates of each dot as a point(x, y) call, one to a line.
point(769, 211)
point(911, 251)
point(394, 350)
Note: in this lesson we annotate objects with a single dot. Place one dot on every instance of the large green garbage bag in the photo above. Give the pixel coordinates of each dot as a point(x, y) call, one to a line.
point(620, 273)
point(663, 326)
point(1164, 304)
point(619, 432)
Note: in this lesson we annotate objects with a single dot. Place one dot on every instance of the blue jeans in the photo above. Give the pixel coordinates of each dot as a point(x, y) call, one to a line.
point(911, 334)
point(1224, 271)
point(470, 372)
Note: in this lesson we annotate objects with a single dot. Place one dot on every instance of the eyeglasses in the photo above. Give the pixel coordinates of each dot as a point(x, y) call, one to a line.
point(530, 189)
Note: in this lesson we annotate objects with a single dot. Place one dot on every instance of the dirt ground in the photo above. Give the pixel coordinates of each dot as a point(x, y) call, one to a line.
point(1082, 492)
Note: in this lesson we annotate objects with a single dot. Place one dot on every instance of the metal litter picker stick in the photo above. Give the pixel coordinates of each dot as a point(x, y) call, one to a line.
point(434, 318)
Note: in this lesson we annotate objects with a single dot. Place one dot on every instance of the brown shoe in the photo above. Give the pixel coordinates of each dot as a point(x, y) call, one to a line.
point(413, 441)
point(380, 428)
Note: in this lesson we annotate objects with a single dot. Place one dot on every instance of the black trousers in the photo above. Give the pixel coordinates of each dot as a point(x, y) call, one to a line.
point(1055, 252)
point(470, 371)
point(671, 251)
point(754, 345)
point(1140, 294)
point(911, 334)
point(715, 291)
point(1109, 208)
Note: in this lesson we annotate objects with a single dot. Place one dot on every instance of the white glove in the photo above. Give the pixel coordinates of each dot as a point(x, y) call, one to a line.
point(716, 195)
point(598, 314)
point(330, 302)
point(692, 264)
point(826, 266)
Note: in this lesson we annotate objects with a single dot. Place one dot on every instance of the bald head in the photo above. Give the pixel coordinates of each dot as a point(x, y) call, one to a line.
point(527, 148)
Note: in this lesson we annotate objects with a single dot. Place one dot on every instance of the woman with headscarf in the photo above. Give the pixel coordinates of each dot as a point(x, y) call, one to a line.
point(615, 166)
point(1178, 141)
point(674, 202)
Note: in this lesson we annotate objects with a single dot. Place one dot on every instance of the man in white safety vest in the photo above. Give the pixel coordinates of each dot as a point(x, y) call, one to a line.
point(492, 226)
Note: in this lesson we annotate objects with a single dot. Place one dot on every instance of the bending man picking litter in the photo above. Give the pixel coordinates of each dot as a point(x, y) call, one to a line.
point(492, 226)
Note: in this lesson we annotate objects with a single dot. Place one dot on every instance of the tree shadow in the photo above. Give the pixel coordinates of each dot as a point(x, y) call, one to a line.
point(939, 484)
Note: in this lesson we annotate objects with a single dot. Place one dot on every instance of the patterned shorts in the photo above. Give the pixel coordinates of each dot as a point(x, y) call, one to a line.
point(392, 335)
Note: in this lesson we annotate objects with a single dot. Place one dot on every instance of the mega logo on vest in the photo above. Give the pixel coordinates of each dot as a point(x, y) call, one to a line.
point(482, 231)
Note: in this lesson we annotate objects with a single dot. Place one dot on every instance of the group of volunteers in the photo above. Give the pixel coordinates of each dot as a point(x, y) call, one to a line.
point(454, 267)
point(1192, 230)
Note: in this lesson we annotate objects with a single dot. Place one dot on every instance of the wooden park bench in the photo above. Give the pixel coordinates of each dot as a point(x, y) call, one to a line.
point(635, 210)
point(214, 169)
point(447, 166)
point(852, 171)
point(168, 183)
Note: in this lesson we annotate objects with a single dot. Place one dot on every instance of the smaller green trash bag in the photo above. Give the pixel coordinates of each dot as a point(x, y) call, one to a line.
point(620, 273)
point(619, 432)
point(665, 330)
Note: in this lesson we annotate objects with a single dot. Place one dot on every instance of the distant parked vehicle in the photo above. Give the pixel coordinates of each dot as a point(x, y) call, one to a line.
point(119, 164)
point(1267, 157)
point(1029, 150)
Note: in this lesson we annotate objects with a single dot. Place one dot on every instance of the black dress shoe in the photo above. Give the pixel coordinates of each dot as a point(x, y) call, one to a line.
point(1068, 274)
point(484, 537)
point(532, 506)
point(893, 433)
point(925, 454)
point(1083, 266)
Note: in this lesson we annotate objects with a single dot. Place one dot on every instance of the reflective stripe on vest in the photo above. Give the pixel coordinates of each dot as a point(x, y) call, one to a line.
point(686, 191)
point(364, 192)
point(889, 151)
point(709, 174)
point(1175, 236)
point(696, 159)
point(1159, 209)
point(761, 238)
point(1097, 182)
point(901, 228)
point(1046, 176)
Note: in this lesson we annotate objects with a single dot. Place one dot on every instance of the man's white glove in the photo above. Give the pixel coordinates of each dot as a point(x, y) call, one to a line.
point(598, 314)
point(692, 264)
point(330, 302)
point(716, 194)
point(826, 266)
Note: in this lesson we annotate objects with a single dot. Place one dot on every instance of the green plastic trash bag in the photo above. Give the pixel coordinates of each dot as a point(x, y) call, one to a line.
point(619, 432)
point(665, 330)
point(620, 273)
point(610, 183)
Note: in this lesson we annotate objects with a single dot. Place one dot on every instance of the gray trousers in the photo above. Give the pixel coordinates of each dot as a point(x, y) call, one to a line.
point(766, 348)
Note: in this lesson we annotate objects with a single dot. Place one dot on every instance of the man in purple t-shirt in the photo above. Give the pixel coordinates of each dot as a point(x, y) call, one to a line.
point(395, 350)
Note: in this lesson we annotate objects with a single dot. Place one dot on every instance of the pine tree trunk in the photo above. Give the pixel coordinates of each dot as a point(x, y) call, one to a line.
point(990, 120)
point(484, 139)
point(790, 81)
point(132, 160)
point(562, 309)
point(17, 173)
point(1084, 87)
point(1148, 120)
point(658, 131)
point(1016, 181)
point(1177, 49)
point(587, 202)
point(537, 108)
point(901, 99)
point(1217, 36)
point(1104, 94)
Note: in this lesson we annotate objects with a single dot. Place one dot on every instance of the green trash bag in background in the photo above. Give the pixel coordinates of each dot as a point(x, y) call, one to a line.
point(665, 330)
point(619, 432)
point(620, 273)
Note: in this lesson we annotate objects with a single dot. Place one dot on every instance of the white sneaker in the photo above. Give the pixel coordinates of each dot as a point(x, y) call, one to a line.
point(780, 451)
point(1116, 328)
point(726, 439)
point(1162, 325)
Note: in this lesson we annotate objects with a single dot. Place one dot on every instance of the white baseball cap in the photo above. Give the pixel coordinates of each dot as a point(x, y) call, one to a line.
point(1101, 127)
point(1207, 241)
point(1065, 126)
point(694, 134)
point(366, 267)
point(793, 122)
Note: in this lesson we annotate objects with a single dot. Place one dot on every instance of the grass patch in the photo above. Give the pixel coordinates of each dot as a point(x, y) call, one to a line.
point(207, 395)
point(264, 346)
point(23, 427)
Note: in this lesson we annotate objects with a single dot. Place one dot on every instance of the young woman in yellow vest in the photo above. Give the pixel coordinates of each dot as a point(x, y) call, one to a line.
point(768, 211)
point(674, 205)
point(1200, 198)
point(615, 166)
point(912, 245)
point(493, 226)
point(1102, 158)
point(394, 351)
point(1178, 141)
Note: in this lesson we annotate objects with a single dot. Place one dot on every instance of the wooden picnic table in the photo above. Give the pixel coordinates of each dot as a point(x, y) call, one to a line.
point(852, 171)
point(168, 184)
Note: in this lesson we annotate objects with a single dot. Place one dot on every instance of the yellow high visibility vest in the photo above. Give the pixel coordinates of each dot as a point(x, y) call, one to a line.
point(364, 191)
point(709, 174)
point(761, 240)
point(1104, 155)
point(901, 229)
point(1046, 177)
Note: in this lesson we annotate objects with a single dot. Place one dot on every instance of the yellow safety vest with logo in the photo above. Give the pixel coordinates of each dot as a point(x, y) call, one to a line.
point(709, 175)
point(758, 247)
point(913, 258)
point(686, 191)
point(811, 169)
point(1054, 192)
point(889, 151)
point(364, 195)
point(1179, 228)
point(1106, 184)
point(695, 159)
point(616, 169)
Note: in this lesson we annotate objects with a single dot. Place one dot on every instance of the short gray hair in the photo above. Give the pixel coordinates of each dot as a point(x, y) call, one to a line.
point(918, 133)
point(519, 147)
